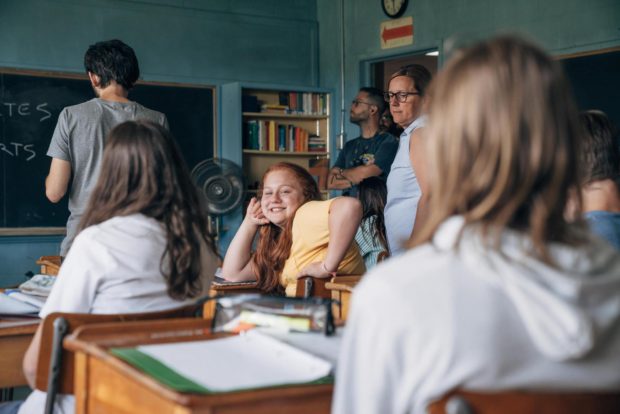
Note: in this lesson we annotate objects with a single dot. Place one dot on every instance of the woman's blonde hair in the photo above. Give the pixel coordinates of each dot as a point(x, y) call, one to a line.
point(503, 140)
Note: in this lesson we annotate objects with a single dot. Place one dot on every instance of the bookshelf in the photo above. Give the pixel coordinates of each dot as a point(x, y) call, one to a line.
point(285, 125)
point(232, 138)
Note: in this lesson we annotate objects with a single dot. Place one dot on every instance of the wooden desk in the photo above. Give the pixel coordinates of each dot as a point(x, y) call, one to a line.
point(220, 287)
point(106, 384)
point(15, 336)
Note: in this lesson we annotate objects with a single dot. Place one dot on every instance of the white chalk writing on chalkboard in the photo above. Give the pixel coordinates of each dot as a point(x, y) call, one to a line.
point(17, 149)
point(11, 109)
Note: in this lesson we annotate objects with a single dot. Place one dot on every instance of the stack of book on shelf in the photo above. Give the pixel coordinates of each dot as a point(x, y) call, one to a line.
point(316, 144)
point(29, 298)
point(269, 135)
point(304, 103)
point(275, 109)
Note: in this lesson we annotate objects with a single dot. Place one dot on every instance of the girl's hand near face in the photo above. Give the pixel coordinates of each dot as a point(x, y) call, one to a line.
point(254, 213)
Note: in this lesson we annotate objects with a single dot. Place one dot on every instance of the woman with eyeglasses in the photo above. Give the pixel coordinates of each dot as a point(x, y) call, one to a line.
point(406, 183)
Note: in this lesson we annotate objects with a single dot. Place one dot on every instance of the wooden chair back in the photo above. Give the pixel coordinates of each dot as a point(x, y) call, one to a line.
point(50, 265)
point(524, 402)
point(75, 320)
point(307, 287)
point(341, 288)
point(133, 333)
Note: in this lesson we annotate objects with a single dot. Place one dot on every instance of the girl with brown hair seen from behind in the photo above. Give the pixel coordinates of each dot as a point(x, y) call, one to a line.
point(498, 291)
point(143, 244)
point(298, 234)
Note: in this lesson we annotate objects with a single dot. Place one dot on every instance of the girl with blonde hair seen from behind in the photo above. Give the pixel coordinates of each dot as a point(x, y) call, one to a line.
point(498, 291)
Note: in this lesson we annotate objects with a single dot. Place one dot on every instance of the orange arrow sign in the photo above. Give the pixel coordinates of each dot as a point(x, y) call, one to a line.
point(396, 32)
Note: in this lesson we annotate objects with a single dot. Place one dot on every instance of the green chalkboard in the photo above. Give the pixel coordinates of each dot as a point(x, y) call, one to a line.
point(30, 103)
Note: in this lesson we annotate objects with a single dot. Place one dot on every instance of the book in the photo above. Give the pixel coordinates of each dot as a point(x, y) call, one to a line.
point(39, 285)
point(242, 362)
point(271, 142)
point(275, 109)
point(33, 300)
point(29, 298)
point(281, 137)
point(283, 98)
point(12, 306)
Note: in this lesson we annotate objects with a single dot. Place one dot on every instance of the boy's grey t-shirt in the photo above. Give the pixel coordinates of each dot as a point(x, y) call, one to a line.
point(79, 138)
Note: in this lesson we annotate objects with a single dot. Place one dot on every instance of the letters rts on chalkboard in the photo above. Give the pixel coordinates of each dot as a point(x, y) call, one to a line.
point(29, 107)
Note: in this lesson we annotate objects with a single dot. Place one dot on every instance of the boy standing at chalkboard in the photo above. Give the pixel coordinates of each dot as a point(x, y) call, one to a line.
point(79, 137)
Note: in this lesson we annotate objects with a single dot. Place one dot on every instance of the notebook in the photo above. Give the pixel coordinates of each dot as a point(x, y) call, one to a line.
point(242, 362)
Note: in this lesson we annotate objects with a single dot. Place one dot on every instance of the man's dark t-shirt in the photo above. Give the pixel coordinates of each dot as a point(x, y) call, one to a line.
point(379, 150)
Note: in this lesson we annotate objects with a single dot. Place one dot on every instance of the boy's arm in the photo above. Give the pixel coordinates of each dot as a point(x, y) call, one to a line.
point(57, 181)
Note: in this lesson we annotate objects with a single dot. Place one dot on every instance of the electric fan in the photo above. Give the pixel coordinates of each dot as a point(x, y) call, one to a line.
point(221, 183)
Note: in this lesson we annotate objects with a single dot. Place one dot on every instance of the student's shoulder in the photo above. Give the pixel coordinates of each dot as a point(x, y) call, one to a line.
point(413, 272)
point(83, 108)
point(149, 113)
point(123, 233)
point(314, 206)
point(128, 224)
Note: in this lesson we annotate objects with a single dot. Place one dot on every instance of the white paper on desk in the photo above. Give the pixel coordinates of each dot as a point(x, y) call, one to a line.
point(252, 360)
point(323, 346)
point(36, 301)
point(10, 306)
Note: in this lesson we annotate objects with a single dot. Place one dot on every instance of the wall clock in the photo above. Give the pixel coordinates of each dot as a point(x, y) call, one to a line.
point(393, 8)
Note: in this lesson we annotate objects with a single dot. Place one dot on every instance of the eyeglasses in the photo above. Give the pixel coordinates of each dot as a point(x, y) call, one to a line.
point(400, 96)
point(355, 102)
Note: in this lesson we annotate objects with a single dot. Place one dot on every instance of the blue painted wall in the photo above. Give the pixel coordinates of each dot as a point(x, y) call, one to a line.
point(191, 41)
point(199, 41)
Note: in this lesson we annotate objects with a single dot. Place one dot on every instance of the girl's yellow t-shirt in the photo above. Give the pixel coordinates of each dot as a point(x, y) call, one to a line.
point(310, 236)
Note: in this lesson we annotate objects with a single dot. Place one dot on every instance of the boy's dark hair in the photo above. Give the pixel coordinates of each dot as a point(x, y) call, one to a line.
point(375, 96)
point(600, 148)
point(112, 60)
